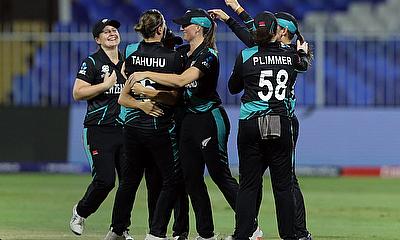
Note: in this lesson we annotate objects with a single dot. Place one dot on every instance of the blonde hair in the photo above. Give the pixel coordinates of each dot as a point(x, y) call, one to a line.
point(210, 37)
point(149, 22)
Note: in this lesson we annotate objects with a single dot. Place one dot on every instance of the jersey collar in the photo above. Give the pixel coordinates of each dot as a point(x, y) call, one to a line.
point(198, 50)
point(103, 55)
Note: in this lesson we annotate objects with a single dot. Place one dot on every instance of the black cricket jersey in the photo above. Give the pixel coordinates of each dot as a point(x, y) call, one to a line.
point(267, 76)
point(104, 108)
point(244, 34)
point(152, 57)
point(201, 95)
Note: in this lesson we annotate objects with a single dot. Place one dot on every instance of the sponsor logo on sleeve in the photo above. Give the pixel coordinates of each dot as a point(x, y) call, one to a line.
point(83, 69)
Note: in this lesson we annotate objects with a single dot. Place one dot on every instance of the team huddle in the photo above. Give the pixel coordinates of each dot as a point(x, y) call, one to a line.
point(154, 112)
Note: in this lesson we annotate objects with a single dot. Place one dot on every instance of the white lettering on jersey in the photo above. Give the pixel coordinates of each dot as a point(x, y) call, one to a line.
point(116, 89)
point(272, 60)
point(149, 61)
point(191, 85)
point(83, 69)
point(105, 69)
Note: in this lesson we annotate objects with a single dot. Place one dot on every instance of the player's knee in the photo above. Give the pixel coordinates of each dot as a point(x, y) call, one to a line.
point(282, 186)
point(106, 184)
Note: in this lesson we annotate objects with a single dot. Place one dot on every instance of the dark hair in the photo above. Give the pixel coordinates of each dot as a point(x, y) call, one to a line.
point(210, 36)
point(149, 22)
point(263, 35)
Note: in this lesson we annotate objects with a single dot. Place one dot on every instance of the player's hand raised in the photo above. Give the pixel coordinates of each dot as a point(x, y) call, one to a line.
point(218, 14)
point(234, 4)
point(302, 46)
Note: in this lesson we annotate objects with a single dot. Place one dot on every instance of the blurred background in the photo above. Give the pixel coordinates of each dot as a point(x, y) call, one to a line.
point(347, 103)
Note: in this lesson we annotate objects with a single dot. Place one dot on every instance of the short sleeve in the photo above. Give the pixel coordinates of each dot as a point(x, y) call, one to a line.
point(235, 83)
point(87, 71)
point(206, 62)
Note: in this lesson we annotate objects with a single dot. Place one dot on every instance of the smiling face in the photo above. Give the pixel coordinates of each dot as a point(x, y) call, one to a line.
point(109, 37)
point(190, 31)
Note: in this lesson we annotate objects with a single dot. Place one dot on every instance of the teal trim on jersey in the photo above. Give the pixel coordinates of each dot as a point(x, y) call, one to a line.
point(201, 21)
point(253, 27)
point(174, 142)
point(290, 105)
point(221, 133)
point(131, 48)
point(200, 105)
point(300, 71)
point(287, 24)
point(201, 108)
point(128, 114)
point(249, 52)
point(94, 62)
point(87, 151)
point(102, 117)
point(99, 109)
point(105, 108)
point(119, 121)
point(213, 52)
point(248, 109)
point(293, 147)
point(131, 114)
point(122, 113)
point(121, 116)
point(155, 123)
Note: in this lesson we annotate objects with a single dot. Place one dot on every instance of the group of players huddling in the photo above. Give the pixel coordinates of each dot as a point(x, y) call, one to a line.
point(154, 111)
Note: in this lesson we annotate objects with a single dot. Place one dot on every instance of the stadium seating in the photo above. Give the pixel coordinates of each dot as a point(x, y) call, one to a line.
point(350, 71)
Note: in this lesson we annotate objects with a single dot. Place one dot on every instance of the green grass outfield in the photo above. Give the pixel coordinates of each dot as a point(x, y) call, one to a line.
point(38, 206)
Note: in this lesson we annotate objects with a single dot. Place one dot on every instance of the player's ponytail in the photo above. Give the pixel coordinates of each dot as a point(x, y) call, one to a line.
point(300, 37)
point(263, 36)
point(210, 36)
point(266, 28)
point(149, 22)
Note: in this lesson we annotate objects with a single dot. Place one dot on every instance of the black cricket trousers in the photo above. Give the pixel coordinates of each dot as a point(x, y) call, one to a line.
point(203, 142)
point(104, 151)
point(255, 156)
point(300, 217)
point(146, 149)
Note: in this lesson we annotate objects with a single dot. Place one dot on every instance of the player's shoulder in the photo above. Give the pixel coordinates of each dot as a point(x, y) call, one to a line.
point(91, 60)
point(208, 53)
point(247, 53)
point(131, 48)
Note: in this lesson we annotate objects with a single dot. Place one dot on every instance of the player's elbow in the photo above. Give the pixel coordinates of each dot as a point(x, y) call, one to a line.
point(233, 88)
point(77, 96)
point(121, 100)
point(178, 84)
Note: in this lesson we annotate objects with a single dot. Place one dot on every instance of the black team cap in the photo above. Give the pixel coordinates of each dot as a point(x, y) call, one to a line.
point(100, 25)
point(266, 19)
point(196, 16)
